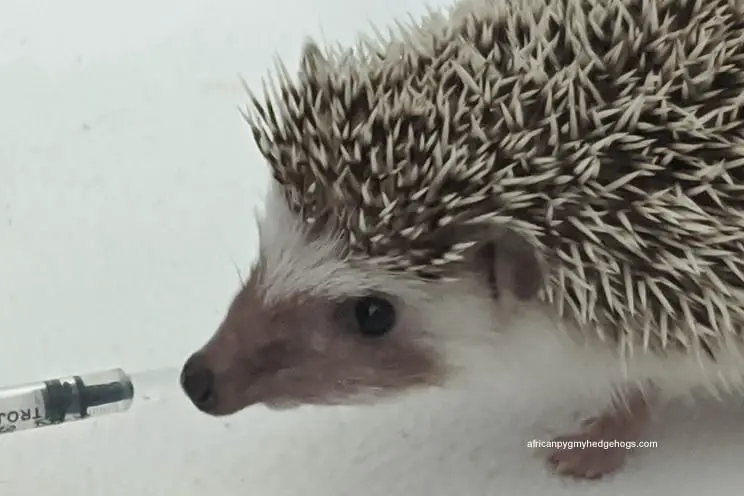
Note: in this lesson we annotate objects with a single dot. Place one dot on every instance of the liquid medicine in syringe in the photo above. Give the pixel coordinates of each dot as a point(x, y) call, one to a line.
point(64, 399)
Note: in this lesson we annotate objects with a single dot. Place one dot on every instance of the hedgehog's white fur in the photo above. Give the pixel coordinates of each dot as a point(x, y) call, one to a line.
point(658, 338)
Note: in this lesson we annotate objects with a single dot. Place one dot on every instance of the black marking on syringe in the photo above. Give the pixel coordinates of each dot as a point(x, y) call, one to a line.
point(62, 401)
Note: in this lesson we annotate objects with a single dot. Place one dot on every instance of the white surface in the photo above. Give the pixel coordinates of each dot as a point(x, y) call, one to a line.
point(127, 180)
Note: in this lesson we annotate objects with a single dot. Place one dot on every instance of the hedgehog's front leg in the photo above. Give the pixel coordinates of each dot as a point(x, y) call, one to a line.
point(607, 434)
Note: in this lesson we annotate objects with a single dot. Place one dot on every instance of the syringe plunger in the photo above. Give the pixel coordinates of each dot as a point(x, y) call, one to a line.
point(64, 399)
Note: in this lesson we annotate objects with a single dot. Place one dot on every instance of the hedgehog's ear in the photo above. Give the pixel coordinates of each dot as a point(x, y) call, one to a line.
point(508, 262)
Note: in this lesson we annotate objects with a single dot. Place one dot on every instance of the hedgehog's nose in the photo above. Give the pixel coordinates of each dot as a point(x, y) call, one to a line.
point(197, 381)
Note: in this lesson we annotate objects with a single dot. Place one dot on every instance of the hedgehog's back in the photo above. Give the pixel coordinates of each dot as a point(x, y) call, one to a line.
point(608, 133)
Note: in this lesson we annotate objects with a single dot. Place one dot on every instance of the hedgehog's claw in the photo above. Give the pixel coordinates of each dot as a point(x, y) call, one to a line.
point(594, 462)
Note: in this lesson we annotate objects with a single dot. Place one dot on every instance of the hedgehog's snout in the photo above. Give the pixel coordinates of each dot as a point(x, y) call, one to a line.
point(199, 383)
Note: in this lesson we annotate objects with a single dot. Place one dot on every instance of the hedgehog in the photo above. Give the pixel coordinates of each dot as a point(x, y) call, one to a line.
point(491, 179)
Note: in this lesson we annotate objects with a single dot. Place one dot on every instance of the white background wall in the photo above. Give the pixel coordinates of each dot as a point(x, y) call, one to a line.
point(127, 180)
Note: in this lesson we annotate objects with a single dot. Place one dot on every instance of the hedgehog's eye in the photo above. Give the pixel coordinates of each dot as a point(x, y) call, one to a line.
point(375, 316)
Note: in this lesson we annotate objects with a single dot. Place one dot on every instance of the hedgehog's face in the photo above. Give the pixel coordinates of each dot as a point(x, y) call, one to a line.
point(306, 349)
point(306, 328)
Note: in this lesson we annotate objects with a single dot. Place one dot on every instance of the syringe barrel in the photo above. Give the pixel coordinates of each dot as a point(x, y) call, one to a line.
point(64, 399)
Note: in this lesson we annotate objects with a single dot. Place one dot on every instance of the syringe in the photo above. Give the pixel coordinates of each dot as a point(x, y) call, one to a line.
point(64, 399)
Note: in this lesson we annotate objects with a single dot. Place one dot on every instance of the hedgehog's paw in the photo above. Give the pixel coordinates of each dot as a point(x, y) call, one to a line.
point(591, 460)
point(600, 447)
